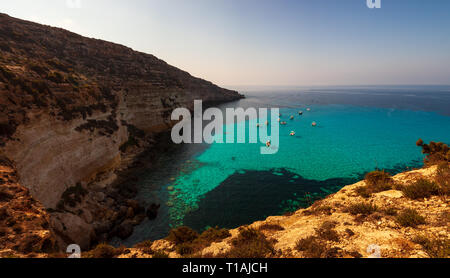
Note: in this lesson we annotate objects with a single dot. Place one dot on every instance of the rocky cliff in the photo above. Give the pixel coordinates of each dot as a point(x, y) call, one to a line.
point(71, 106)
point(68, 102)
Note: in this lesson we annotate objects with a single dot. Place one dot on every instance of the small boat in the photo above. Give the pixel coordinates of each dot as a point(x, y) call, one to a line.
point(292, 133)
point(300, 112)
point(257, 125)
point(308, 109)
point(283, 123)
point(268, 143)
point(292, 117)
point(314, 124)
point(267, 122)
point(279, 119)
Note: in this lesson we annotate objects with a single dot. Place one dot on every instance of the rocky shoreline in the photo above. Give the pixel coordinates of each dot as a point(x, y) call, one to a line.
point(75, 114)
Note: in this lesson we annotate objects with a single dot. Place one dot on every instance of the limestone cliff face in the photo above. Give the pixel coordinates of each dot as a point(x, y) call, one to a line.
point(24, 224)
point(67, 103)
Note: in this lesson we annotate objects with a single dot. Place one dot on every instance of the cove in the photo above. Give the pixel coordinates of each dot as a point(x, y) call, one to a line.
point(233, 184)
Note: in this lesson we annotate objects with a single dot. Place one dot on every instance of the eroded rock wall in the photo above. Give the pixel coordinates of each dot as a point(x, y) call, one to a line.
point(67, 103)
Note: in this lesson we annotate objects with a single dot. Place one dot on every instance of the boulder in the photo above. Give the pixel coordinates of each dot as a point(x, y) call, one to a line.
point(124, 230)
point(137, 208)
point(72, 229)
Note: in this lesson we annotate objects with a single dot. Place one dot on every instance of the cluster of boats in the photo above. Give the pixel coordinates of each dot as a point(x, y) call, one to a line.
point(285, 123)
point(292, 117)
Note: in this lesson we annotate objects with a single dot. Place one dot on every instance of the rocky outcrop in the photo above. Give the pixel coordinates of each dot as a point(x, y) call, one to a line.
point(74, 110)
point(68, 103)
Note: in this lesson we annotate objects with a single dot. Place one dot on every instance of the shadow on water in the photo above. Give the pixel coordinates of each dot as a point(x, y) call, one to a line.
point(248, 196)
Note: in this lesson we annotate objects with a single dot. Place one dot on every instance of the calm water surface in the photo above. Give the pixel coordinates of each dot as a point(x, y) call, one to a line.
point(359, 129)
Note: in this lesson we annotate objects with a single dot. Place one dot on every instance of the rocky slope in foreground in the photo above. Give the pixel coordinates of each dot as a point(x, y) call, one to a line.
point(73, 110)
point(344, 224)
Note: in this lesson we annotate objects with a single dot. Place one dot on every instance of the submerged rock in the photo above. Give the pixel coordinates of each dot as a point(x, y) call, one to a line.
point(152, 211)
point(125, 229)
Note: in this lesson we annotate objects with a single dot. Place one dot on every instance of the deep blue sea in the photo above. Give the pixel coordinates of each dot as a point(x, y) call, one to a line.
point(359, 129)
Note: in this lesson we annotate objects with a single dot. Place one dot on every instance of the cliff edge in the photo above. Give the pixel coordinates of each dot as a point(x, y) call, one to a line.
point(74, 110)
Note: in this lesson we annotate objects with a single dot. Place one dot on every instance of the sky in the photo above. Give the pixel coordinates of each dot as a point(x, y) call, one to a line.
point(269, 42)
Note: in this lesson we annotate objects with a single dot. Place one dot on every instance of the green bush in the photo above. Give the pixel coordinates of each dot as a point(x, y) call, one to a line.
point(378, 181)
point(193, 242)
point(422, 188)
point(160, 255)
point(390, 211)
point(327, 232)
point(363, 191)
point(213, 235)
point(410, 218)
point(270, 227)
point(145, 246)
point(311, 247)
point(443, 178)
point(185, 249)
point(362, 208)
point(250, 243)
point(436, 152)
point(104, 251)
point(181, 235)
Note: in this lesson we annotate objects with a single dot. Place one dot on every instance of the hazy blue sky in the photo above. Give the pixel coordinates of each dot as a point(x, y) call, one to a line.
point(260, 42)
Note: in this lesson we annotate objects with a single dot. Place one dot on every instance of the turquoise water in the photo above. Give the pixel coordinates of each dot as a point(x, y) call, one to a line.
point(233, 184)
point(346, 141)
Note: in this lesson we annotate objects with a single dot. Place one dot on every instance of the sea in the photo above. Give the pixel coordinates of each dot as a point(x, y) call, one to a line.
point(359, 129)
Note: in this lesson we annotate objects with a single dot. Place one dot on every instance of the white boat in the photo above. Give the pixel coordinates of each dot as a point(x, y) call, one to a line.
point(292, 117)
point(314, 124)
point(292, 133)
